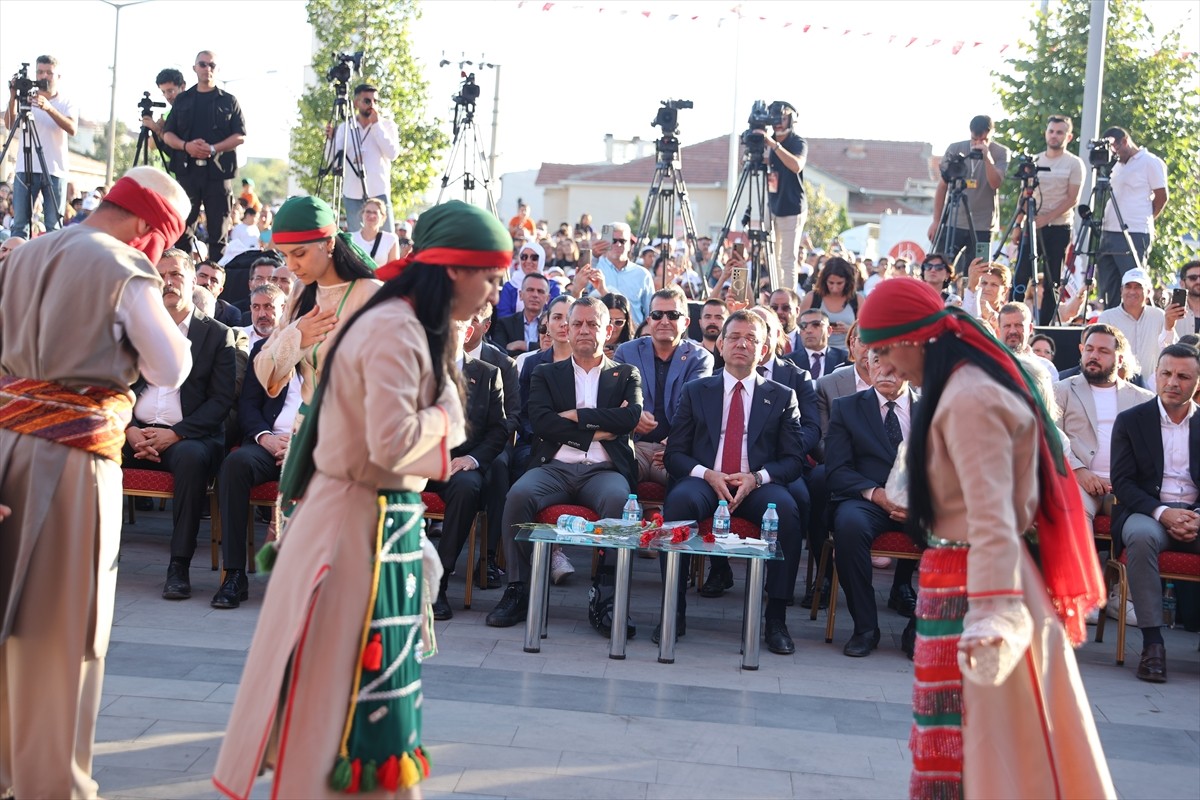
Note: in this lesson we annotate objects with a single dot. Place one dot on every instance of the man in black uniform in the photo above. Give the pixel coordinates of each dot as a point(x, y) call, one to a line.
point(203, 130)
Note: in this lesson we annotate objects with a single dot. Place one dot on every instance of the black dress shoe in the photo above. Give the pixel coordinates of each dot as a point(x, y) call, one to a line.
point(178, 586)
point(680, 629)
point(718, 581)
point(861, 644)
point(908, 639)
point(493, 571)
point(826, 588)
point(778, 639)
point(511, 609)
point(1153, 666)
point(441, 607)
point(234, 589)
point(903, 599)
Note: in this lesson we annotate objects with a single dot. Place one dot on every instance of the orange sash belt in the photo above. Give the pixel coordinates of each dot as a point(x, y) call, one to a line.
point(89, 418)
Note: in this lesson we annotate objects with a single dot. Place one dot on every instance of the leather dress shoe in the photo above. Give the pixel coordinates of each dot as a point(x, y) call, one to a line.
point(718, 581)
point(778, 639)
point(826, 589)
point(511, 609)
point(861, 644)
point(441, 607)
point(492, 570)
point(234, 589)
point(908, 639)
point(680, 629)
point(903, 599)
point(178, 586)
point(1153, 666)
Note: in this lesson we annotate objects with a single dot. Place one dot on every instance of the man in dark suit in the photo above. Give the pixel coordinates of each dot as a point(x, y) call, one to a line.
point(865, 429)
point(517, 333)
point(582, 411)
point(463, 492)
point(737, 437)
point(260, 274)
point(712, 316)
point(266, 427)
point(1155, 476)
point(211, 276)
point(816, 355)
point(182, 431)
point(666, 362)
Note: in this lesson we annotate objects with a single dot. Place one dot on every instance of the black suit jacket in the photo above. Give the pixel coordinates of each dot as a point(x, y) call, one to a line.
point(773, 433)
point(552, 389)
point(834, 358)
point(1137, 462)
point(257, 410)
point(524, 381)
point(858, 455)
point(486, 432)
point(227, 314)
point(208, 393)
point(509, 329)
point(800, 382)
point(493, 355)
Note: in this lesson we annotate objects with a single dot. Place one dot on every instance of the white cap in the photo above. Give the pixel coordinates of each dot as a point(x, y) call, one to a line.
point(1136, 275)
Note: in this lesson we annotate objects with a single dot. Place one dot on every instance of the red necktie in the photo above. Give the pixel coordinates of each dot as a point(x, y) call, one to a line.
point(787, 344)
point(735, 427)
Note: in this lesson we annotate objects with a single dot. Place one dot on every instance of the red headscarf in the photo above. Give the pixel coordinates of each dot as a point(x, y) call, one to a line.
point(166, 226)
point(910, 311)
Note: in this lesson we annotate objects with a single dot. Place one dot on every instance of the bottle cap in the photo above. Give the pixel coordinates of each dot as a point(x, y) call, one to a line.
point(770, 505)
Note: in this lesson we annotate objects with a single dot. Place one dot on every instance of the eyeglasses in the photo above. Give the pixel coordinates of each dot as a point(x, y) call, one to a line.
point(530, 257)
point(619, 241)
point(778, 309)
point(203, 64)
point(813, 324)
point(671, 315)
point(1191, 277)
point(935, 267)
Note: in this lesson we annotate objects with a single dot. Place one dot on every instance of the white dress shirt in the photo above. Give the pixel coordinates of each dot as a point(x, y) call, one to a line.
point(587, 385)
point(1177, 485)
point(379, 147)
point(158, 405)
point(1133, 184)
point(903, 409)
point(824, 366)
point(748, 384)
point(1106, 414)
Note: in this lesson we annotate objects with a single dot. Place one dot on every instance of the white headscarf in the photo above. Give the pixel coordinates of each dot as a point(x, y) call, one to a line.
point(517, 275)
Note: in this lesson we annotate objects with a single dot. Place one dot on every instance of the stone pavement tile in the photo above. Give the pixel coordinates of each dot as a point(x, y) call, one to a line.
point(896, 712)
point(519, 783)
point(181, 636)
point(685, 673)
point(143, 754)
point(863, 725)
point(483, 756)
point(224, 693)
point(704, 779)
point(165, 688)
point(118, 782)
point(181, 710)
point(590, 667)
point(525, 662)
point(809, 785)
point(451, 721)
point(1136, 708)
point(1149, 745)
point(148, 660)
point(120, 729)
point(636, 767)
point(1135, 780)
point(793, 753)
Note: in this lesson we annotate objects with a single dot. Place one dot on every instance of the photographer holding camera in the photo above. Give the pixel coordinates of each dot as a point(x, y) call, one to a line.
point(370, 145)
point(786, 153)
point(171, 83)
point(54, 118)
point(1139, 187)
point(203, 130)
point(984, 165)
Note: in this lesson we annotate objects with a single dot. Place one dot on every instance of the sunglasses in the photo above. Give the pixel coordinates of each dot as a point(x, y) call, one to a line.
point(620, 323)
point(671, 315)
point(935, 266)
point(203, 64)
point(619, 241)
point(530, 257)
point(542, 330)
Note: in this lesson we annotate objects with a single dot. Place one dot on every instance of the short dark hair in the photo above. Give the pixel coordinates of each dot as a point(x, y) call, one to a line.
point(1189, 265)
point(672, 293)
point(1041, 337)
point(1178, 350)
point(537, 275)
point(1061, 118)
point(743, 315)
point(208, 262)
point(981, 124)
point(1115, 133)
point(51, 60)
point(264, 261)
point(169, 75)
point(364, 87)
point(715, 301)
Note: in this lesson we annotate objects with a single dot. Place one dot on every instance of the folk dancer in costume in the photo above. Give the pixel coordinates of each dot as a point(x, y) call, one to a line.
point(331, 693)
point(998, 703)
point(81, 315)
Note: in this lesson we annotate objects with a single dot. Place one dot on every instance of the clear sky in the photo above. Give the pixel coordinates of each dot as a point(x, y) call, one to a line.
point(573, 73)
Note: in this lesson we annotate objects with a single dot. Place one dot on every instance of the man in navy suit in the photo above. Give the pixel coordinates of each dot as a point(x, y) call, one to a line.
point(816, 356)
point(666, 362)
point(865, 429)
point(1155, 477)
point(582, 411)
point(737, 437)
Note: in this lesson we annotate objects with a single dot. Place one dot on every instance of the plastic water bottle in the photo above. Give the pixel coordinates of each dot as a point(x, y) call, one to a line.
point(572, 523)
point(1169, 606)
point(721, 519)
point(770, 526)
point(633, 510)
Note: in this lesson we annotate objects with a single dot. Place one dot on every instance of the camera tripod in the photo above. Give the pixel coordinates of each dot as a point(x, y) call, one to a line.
point(760, 258)
point(141, 153)
point(473, 158)
point(31, 144)
point(666, 187)
point(1025, 215)
point(333, 160)
point(956, 204)
point(1088, 240)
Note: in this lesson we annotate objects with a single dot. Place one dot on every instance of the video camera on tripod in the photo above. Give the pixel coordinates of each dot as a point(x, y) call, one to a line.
point(345, 65)
point(468, 92)
point(146, 104)
point(1026, 170)
point(1101, 154)
point(667, 117)
point(762, 117)
point(25, 86)
point(954, 165)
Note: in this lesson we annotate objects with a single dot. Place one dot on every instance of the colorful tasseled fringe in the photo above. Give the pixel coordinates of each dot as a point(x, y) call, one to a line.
point(381, 741)
point(936, 739)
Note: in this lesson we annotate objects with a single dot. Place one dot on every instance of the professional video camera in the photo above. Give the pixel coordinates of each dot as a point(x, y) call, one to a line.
point(668, 116)
point(1101, 154)
point(468, 93)
point(345, 65)
point(753, 139)
point(146, 104)
point(24, 85)
point(954, 167)
point(1027, 169)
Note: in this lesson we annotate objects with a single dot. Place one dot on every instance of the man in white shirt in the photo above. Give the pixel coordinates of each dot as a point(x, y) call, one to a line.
point(55, 118)
point(369, 144)
point(1144, 325)
point(1139, 188)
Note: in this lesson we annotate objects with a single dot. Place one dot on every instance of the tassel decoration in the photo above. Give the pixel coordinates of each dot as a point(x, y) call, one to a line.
point(369, 779)
point(408, 772)
point(339, 779)
point(265, 557)
point(389, 774)
point(372, 657)
point(355, 777)
point(419, 755)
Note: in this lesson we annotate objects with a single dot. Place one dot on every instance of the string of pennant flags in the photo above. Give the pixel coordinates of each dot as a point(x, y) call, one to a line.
point(734, 13)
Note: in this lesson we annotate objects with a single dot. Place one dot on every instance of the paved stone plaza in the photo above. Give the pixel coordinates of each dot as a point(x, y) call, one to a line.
point(571, 723)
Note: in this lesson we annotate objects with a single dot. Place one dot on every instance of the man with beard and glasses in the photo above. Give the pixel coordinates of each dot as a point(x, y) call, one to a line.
point(1187, 320)
point(1088, 404)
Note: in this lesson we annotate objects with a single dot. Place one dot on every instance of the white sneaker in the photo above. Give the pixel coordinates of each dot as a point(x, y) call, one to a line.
point(1114, 600)
point(560, 566)
point(880, 562)
point(1093, 617)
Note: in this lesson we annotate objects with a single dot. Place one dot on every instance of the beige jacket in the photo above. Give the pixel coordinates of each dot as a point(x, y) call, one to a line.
point(1077, 414)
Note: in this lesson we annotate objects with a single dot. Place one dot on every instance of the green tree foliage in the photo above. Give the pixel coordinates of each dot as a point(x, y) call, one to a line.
point(1150, 89)
point(382, 30)
point(634, 219)
point(123, 157)
point(270, 179)
point(826, 219)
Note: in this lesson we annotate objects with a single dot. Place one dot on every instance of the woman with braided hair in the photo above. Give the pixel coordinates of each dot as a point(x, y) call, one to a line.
point(331, 693)
point(999, 709)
